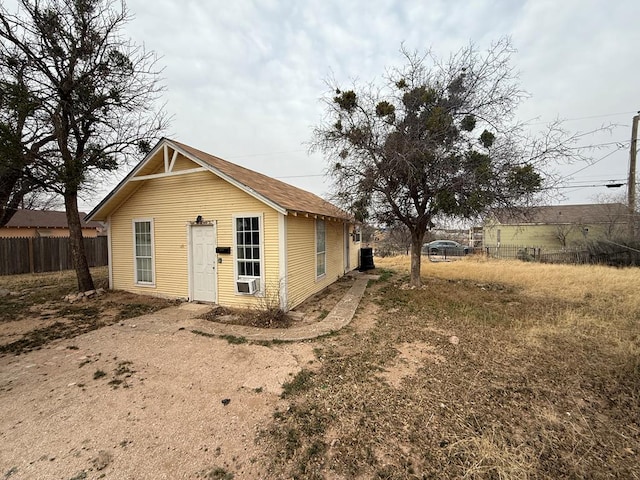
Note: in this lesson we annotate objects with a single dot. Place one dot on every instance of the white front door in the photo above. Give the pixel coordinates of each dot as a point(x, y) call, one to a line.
point(203, 262)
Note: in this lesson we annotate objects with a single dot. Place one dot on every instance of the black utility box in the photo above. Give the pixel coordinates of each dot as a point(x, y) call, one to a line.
point(366, 259)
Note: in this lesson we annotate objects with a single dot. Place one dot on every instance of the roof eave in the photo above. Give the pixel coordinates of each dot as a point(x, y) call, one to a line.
point(96, 210)
point(231, 180)
point(101, 211)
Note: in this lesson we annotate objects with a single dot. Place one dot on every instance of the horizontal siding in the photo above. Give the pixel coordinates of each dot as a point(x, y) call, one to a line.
point(173, 203)
point(301, 254)
point(546, 235)
point(182, 163)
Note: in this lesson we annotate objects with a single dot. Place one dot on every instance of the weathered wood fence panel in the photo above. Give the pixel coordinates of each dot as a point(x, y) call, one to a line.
point(35, 255)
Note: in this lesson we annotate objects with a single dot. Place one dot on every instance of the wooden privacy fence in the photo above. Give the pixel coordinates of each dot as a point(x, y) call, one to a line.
point(35, 255)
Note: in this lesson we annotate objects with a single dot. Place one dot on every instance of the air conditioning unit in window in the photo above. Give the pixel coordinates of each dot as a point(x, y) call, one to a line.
point(247, 285)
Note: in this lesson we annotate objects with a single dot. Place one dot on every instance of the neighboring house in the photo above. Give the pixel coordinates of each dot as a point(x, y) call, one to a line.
point(186, 224)
point(45, 223)
point(557, 226)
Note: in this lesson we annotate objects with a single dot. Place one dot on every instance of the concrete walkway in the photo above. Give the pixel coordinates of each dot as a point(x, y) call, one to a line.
point(339, 317)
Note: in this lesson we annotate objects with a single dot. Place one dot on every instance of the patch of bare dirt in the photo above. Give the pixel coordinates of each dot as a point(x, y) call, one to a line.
point(38, 324)
point(365, 317)
point(142, 398)
point(412, 357)
point(93, 390)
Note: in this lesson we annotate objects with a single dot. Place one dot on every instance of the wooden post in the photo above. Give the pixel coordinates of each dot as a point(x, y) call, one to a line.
point(31, 260)
point(631, 191)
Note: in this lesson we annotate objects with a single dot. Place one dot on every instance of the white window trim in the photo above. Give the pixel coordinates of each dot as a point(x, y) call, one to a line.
point(357, 238)
point(315, 224)
point(260, 291)
point(151, 284)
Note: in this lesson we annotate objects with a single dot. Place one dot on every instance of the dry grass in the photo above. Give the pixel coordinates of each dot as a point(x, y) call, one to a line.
point(542, 379)
point(568, 282)
point(35, 314)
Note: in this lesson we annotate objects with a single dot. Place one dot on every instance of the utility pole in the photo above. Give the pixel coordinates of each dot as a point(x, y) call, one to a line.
point(631, 184)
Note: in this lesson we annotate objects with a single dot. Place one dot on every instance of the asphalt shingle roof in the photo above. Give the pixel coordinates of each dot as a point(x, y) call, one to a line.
point(287, 196)
point(44, 219)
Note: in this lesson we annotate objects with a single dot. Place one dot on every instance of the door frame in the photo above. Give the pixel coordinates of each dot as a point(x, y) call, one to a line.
point(347, 248)
point(190, 258)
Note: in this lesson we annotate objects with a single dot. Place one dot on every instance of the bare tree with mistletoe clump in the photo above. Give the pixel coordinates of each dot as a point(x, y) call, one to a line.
point(437, 139)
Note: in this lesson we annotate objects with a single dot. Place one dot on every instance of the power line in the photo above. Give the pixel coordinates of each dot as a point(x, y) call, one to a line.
point(620, 144)
point(580, 187)
point(303, 176)
point(599, 180)
point(594, 163)
point(587, 117)
point(263, 154)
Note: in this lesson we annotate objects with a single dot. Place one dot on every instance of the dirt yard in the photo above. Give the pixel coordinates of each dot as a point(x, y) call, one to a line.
point(90, 389)
point(491, 370)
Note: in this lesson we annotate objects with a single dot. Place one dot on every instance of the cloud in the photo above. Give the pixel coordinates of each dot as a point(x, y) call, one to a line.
point(244, 78)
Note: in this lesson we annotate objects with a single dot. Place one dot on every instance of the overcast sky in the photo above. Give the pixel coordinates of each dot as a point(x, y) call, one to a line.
point(244, 78)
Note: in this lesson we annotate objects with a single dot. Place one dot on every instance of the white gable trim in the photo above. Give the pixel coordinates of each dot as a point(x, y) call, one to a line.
point(126, 180)
point(229, 179)
point(167, 174)
point(169, 164)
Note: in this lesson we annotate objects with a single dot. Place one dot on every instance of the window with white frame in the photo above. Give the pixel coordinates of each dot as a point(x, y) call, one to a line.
point(357, 234)
point(248, 255)
point(321, 254)
point(143, 251)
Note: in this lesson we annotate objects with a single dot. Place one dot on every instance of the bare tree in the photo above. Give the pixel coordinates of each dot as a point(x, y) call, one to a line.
point(617, 219)
point(93, 93)
point(396, 239)
point(437, 139)
point(23, 133)
point(562, 232)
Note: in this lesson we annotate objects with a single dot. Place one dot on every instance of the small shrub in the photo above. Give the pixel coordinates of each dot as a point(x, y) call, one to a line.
point(525, 256)
point(99, 374)
point(272, 317)
point(270, 313)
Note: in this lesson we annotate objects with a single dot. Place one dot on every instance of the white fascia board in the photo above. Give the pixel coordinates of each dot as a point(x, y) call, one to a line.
point(231, 180)
point(126, 179)
point(167, 174)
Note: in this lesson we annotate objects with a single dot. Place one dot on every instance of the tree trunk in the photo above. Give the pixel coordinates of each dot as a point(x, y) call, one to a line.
point(78, 256)
point(416, 258)
point(9, 198)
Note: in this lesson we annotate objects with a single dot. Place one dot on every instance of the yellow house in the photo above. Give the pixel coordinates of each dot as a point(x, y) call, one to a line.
point(186, 224)
point(557, 226)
